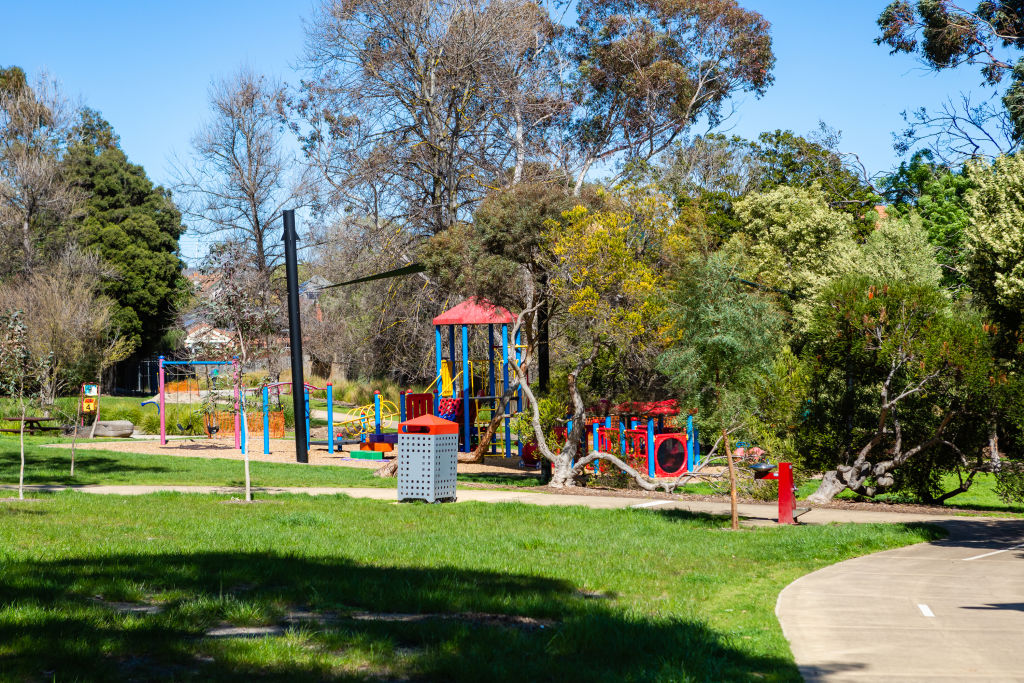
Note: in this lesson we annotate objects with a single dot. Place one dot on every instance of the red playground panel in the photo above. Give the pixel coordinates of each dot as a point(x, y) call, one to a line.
point(418, 405)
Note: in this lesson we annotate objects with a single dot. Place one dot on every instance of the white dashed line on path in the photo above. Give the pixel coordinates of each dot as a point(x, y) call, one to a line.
point(994, 552)
point(651, 503)
point(926, 610)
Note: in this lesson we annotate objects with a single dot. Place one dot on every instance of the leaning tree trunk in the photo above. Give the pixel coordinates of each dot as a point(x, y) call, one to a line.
point(831, 486)
point(562, 470)
point(733, 508)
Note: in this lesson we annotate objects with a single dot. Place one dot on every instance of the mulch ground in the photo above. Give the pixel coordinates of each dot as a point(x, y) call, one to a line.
point(281, 450)
point(835, 505)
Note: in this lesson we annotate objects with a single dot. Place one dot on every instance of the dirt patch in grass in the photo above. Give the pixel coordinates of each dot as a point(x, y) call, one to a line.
point(473, 618)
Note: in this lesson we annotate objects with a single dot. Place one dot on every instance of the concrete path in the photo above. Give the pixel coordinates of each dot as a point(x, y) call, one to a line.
point(753, 514)
point(952, 610)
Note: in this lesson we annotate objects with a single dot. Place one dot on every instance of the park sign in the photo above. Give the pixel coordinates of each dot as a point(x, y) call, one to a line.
point(90, 396)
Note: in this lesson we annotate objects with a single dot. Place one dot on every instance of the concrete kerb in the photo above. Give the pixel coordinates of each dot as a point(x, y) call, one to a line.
point(753, 514)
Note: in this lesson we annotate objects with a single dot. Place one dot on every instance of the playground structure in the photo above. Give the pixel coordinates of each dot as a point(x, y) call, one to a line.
point(467, 390)
point(186, 379)
point(365, 424)
point(641, 433)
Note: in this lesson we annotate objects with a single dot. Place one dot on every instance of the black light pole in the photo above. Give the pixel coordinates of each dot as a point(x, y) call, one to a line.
point(295, 330)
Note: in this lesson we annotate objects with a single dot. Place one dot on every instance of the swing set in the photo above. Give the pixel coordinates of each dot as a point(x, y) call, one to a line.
point(208, 388)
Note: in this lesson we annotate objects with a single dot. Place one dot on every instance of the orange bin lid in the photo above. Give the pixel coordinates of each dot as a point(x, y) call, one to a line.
point(428, 424)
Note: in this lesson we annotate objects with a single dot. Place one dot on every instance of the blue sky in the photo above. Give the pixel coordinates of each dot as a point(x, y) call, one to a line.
point(147, 67)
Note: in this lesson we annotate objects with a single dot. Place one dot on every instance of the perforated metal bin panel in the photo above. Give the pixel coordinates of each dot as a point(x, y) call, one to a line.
point(427, 466)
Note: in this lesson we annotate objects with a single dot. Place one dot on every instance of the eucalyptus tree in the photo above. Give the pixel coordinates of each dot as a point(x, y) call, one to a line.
point(241, 174)
point(415, 108)
point(947, 34)
point(647, 70)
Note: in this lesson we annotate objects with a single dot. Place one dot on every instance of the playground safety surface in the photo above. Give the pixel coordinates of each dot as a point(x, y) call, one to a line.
point(281, 450)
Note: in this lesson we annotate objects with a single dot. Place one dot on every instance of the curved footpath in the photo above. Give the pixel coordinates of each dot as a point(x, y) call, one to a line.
point(950, 610)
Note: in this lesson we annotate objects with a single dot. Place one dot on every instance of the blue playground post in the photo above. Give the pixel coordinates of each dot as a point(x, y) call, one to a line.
point(465, 387)
point(305, 391)
point(492, 383)
point(692, 444)
point(266, 420)
point(376, 412)
point(401, 406)
point(519, 396)
point(568, 435)
point(242, 417)
point(650, 447)
point(504, 371)
point(330, 418)
point(593, 437)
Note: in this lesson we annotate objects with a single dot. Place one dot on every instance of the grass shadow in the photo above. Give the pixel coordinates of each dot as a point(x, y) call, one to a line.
point(60, 620)
point(511, 479)
point(674, 515)
point(980, 533)
point(48, 465)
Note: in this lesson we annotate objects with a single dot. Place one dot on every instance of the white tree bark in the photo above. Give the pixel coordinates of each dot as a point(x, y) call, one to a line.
point(21, 469)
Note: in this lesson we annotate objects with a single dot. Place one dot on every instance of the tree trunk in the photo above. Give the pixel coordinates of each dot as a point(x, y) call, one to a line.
point(562, 470)
point(993, 447)
point(543, 333)
point(26, 243)
point(21, 470)
point(388, 469)
point(95, 420)
point(520, 144)
point(732, 484)
point(831, 485)
point(581, 177)
point(74, 435)
point(245, 451)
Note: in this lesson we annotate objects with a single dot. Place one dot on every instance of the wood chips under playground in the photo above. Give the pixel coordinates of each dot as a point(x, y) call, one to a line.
point(281, 450)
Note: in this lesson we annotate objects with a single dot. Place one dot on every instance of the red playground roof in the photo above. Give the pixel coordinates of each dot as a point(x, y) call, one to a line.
point(475, 311)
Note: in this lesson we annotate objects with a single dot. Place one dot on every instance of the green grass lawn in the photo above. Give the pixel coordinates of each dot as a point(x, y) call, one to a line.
point(412, 592)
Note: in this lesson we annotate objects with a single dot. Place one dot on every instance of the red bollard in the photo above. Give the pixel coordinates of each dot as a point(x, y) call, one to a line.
point(787, 492)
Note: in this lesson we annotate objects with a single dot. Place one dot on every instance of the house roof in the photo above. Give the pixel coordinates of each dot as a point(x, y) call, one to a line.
point(474, 311)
